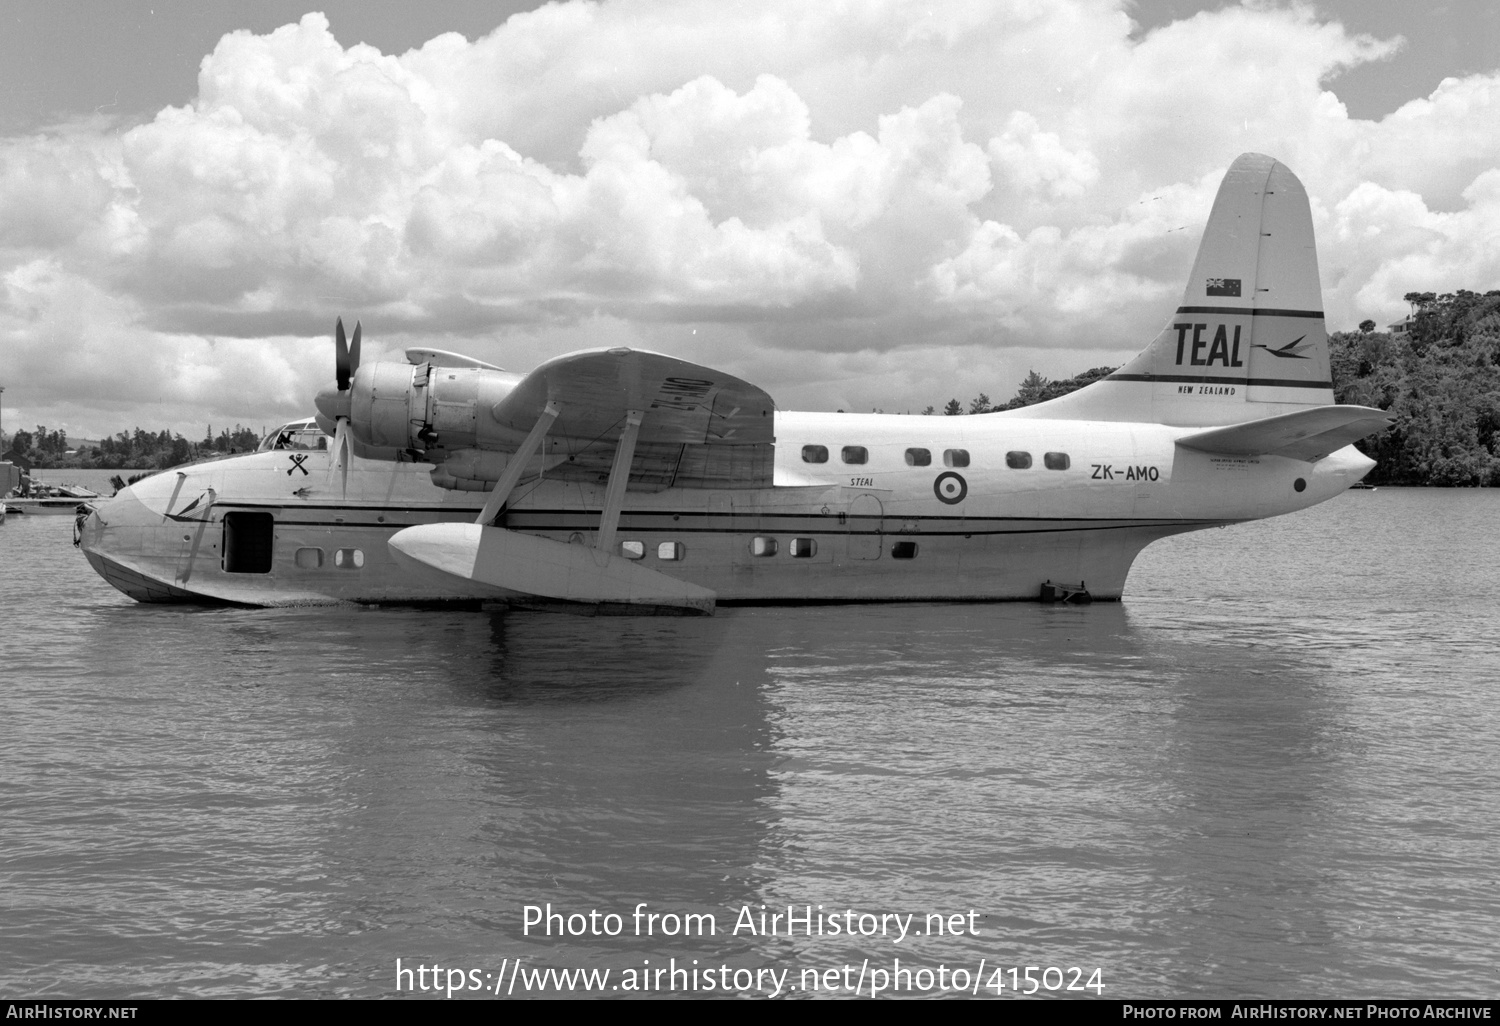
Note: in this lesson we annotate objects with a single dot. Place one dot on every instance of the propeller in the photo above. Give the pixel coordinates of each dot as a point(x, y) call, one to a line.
point(335, 404)
point(345, 355)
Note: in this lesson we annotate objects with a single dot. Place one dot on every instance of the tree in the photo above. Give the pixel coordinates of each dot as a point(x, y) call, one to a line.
point(953, 409)
point(1441, 383)
point(928, 412)
point(1366, 326)
point(980, 404)
point(1031, 390)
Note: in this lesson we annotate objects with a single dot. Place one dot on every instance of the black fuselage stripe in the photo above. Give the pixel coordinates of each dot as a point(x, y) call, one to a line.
point(1032, 525)
point(1208, 379)
point(465, 515)
point(1252, 311)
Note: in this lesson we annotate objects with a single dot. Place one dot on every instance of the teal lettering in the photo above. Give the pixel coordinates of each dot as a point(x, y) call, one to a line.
point(1182, 330)
point(1220, 349)
point(1198, 344)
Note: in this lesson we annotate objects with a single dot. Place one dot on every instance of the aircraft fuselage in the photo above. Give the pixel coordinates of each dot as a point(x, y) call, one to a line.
point(865, 507)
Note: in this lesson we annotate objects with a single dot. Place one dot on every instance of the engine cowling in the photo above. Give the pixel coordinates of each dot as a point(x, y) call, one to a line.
point(434, 410)
point(470, 470)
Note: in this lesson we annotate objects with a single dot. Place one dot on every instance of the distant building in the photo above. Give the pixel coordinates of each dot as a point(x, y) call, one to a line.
point(1402, 327)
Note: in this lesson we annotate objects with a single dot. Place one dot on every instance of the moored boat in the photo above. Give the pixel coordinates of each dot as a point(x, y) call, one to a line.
point(55, 500)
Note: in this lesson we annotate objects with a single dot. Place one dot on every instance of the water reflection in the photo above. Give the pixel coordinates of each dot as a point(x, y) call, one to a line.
point(1243, 780)
point(352, 786)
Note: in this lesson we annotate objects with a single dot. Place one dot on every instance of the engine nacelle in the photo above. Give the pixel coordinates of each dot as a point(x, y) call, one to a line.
point(435, 410)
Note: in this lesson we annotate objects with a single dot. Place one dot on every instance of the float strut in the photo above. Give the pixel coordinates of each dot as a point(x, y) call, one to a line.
point(517, 465)
point(619, 477)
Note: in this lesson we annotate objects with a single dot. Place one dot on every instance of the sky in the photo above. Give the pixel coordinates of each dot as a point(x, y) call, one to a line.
point(873, 205)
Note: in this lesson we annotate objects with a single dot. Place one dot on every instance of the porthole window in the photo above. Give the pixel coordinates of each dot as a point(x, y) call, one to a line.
point(633, 549)
point(855, 454)
point(804, 548)
point(348, 559)
point(955, 457)
point(904, 550)
point(1056, 460)
point(762, 546)
point(671, 552)
point(309, 558)
point(815, 454)
point(919, 457)
point(1018, 460)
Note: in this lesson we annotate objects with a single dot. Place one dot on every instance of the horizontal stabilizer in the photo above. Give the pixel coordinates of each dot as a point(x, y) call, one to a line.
point(545, 568)
point(1305, 435)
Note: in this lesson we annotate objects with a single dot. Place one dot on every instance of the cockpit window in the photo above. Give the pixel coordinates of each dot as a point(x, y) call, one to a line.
point(299, 434)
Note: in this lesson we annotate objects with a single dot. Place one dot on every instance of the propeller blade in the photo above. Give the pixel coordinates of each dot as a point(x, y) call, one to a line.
point(341, 369)
point(341, 453)
point(354, 351)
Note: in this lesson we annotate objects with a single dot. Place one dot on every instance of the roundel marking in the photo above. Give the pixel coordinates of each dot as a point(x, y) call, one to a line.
point(950, 488)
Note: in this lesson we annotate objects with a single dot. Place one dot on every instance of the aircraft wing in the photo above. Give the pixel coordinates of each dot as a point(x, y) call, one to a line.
point(682, 402)
point(1305, 435)
point(699, 427)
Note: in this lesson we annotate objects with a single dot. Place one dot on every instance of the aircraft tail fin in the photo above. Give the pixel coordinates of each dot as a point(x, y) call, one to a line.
point(1248, 340)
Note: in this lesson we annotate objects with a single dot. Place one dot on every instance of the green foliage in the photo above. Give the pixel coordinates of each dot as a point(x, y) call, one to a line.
point(1442, 383)
point(1034, 389)
point(138, 450)
point(1037, 389)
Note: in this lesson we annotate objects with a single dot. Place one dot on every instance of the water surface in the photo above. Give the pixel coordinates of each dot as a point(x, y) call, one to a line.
point(1269, 772)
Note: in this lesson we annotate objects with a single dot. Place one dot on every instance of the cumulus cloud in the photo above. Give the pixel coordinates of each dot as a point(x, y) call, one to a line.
point(848, 205)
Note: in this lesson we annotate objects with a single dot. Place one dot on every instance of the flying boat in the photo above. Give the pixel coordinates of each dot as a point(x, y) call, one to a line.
point(620, 480)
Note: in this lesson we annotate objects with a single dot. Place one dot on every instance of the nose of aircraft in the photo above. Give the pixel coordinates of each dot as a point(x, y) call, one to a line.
point(109, 521)
point(123, 540)
point(124, 509)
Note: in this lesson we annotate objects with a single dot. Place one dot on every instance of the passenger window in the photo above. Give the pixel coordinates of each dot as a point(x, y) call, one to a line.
point(633, 549)
point(762, 546)
point(856, 454)
point(671, 551)
point(309, 559)
point(804, 548)
point(1056, 460)
point(815, 454)
point(904, 550)
point(1018, 460)
point(955, 457)
point(348, 559)
point(919, 457)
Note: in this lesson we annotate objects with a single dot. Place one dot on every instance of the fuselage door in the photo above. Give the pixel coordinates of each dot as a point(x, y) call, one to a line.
point(865, 527)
